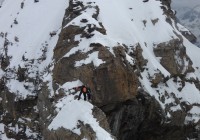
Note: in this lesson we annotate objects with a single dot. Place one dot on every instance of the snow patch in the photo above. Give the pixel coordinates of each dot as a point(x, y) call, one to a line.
point(93, 57)
point(71, 112)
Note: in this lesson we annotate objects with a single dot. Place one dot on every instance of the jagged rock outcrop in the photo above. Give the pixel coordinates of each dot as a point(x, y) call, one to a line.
point(173, 57)
point(143, 118)
point(86, 132)
point(191, 37)
point(19, 116)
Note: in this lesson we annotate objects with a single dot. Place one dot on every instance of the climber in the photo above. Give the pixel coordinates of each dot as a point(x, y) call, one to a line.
point(85, 90)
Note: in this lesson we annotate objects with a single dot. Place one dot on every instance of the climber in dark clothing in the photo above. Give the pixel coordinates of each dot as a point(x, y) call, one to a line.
point(85, 91)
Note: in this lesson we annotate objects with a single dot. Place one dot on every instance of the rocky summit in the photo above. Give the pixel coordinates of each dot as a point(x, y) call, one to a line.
point(139, 62)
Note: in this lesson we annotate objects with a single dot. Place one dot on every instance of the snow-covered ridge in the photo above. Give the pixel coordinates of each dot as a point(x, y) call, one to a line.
point(72, 111)
point(131, 23)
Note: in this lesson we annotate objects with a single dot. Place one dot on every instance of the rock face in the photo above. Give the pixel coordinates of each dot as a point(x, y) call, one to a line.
point(173, 57)
point(20, 115)
point(191, 37)
point(143, 118)
point(110, 82)
point(109, 79)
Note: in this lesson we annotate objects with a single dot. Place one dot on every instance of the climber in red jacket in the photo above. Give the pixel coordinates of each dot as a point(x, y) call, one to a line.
point(85, 91)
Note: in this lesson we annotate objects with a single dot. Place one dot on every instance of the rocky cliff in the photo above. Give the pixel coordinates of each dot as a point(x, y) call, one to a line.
point(142, 70)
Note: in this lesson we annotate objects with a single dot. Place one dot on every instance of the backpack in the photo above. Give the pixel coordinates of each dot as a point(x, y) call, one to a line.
point(84, 89)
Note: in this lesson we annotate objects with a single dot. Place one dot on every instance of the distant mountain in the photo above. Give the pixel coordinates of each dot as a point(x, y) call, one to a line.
point(190, 18)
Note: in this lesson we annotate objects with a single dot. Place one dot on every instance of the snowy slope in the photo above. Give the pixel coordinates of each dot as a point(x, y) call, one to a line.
point(71, 111)
point(129, 29)
point(30, 44)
